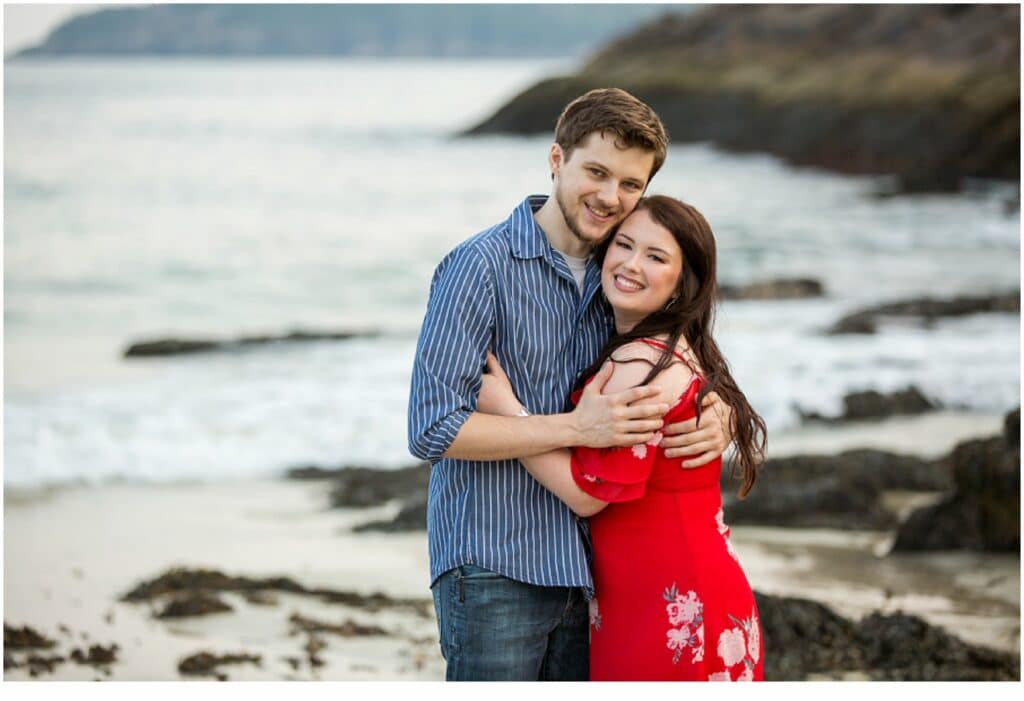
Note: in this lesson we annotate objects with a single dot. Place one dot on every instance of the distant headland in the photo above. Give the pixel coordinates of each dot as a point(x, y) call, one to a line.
point(281, 30)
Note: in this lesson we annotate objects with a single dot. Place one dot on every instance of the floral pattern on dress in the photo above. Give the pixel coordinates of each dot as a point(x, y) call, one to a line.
point(724, 530)
point(740, 645)
point(686, 616)
point(595, 615)
point(640, 451)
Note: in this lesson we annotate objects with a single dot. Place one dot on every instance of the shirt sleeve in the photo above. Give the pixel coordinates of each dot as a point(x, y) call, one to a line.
point(613, 474)
point(457, 332)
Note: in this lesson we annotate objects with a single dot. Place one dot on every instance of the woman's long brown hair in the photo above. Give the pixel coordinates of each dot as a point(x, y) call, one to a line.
point(691, 317)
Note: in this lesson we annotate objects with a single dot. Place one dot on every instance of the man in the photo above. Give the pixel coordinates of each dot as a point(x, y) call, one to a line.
point(508, 559)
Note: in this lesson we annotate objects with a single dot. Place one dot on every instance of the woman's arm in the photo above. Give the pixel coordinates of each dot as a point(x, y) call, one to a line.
point(553, 469)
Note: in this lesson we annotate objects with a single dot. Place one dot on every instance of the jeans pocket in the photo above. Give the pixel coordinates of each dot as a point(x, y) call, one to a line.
point(476, 572)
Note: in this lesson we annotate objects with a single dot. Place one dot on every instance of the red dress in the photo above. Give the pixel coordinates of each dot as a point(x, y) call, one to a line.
point(671, 601)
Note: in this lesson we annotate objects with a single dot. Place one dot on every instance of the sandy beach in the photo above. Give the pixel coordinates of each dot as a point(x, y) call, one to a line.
point(72, 553)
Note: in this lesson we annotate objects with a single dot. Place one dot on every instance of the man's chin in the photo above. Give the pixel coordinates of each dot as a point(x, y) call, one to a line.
point(591, 234)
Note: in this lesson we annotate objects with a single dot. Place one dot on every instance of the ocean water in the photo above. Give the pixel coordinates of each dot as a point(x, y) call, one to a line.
point(228, 198)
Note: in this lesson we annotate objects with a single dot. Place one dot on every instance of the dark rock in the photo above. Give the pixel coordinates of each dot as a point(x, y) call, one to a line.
point(927, 310)
point(179, 580)
point(197, 603)
point(899, 647)
point(832, 491)
point(783, 288)
point(187, 580)
point(983, 512)
point(359, 486)
point(260, 598)
point(348, 629)
point(1011, 431)
point(879, 468)
point(25, 638)
point(314, 645)
point(36, 664)
point(169, 346)
point(180, 346)
point(859, 323)
point(803, 638)
point(412, 517)
point(206, 663)
point(96, 655)
point(823, 502)
point(869, 404)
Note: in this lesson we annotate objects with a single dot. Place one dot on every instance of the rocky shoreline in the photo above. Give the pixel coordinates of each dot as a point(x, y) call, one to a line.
point(346, 597)
point(806, 639)
point(927, 94)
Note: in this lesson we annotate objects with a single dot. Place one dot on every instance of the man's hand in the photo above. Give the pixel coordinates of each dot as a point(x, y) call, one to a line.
point(618, 419)
point(685, 440)
point(496, 394)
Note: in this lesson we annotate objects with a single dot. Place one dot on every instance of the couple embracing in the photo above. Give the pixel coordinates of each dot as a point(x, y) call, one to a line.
point(574, 406)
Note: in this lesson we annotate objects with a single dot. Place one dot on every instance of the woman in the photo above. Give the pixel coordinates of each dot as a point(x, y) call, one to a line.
point(672, 602)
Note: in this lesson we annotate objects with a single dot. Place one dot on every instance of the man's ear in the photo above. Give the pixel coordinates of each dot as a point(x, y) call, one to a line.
point(556, 158)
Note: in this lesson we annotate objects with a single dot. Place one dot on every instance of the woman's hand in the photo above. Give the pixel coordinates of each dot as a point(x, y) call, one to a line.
point(496, 393)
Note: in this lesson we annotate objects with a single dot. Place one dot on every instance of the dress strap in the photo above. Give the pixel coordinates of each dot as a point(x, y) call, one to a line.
point(662, 346)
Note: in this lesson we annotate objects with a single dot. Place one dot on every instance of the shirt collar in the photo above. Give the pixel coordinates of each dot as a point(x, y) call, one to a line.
point(527, 239)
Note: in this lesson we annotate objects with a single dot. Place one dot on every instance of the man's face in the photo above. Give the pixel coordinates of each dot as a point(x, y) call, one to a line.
point(599, 185)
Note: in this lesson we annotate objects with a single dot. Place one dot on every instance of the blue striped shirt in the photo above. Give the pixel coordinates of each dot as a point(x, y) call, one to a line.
point(505, 290)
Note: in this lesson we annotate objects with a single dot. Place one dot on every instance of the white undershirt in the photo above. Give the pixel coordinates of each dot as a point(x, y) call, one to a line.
point(578, 268)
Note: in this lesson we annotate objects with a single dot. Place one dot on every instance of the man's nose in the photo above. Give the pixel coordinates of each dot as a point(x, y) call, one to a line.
point(609, 193)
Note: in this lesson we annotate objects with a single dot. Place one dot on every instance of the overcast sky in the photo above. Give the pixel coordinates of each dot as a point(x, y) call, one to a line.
point(28, 24)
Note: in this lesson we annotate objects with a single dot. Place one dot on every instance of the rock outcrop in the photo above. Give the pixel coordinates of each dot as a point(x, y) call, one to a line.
point(983, 512)
point(869, 405)
point(181, 346)
point(929, 94)
point(803, 639)
point(926, 311)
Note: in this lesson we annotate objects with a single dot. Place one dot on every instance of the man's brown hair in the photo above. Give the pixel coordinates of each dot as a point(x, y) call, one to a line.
point(612, 111)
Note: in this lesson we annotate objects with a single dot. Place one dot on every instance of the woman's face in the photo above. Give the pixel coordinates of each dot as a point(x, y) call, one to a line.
point(641, 269)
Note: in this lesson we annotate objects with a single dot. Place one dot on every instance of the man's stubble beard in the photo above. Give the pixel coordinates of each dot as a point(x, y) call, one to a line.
point(571, 225)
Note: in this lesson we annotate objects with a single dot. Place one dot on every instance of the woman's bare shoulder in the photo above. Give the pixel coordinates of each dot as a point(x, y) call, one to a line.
point(633, 362)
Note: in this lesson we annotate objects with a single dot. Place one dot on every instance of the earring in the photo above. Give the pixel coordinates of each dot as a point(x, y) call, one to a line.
point(671, 302)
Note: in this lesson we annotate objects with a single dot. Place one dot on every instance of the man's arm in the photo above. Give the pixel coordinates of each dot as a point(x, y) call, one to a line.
point(599, 421)
point(457, 330)
point(456, 335)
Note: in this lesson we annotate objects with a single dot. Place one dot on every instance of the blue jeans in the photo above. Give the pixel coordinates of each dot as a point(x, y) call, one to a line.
point(497, 629)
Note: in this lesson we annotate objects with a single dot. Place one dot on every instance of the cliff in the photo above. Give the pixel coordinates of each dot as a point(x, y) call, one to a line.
point(928, 93)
